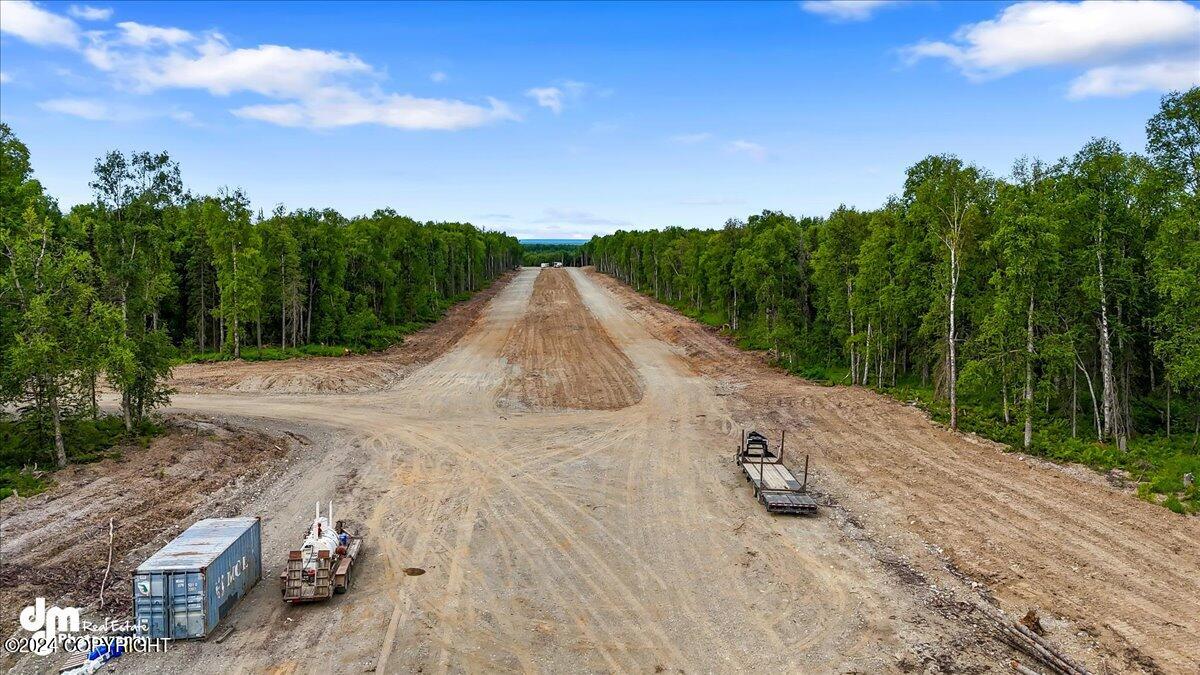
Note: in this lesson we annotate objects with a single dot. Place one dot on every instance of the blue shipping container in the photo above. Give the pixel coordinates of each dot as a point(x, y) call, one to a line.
point(189, 585)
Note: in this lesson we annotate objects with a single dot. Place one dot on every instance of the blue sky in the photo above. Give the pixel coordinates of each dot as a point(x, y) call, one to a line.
point(564, 120)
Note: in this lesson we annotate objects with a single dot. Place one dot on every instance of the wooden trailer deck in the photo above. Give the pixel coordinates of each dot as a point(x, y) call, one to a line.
point(775, 486)
point(769, 476)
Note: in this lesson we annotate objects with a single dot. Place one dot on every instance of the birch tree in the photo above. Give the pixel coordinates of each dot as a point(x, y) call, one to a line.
point(949, 198)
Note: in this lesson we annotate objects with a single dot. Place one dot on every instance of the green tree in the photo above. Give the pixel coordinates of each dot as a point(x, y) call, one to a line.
point(1173, 142)
point(951, 199)
point(236, 247)
point(59, 330)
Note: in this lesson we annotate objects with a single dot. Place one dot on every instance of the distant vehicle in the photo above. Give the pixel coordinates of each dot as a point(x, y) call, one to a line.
point(558, 264)
point(775, 485)
point(544, 265)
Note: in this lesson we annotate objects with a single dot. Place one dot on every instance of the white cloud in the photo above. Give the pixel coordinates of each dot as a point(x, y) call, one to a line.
point(691, 139)
point(1131, 79)
point(305, 87)
point(89, 13)
point(845, 10)
point(1031, 34)
point(269, 70)
point(33, 24)
point(547, 97)
point(437, 76)
point(748, 148)
point(339, 107)
point(5, 77)
point(556, 97)
point(141, 35)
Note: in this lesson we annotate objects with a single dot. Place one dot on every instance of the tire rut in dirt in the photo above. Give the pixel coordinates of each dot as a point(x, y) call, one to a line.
point(560, 356)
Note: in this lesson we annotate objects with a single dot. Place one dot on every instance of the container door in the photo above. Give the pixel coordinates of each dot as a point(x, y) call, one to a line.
point(150, 604)
point(187, 604)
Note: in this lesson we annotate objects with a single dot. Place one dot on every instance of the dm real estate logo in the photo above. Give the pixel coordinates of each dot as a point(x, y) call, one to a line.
point(47, 625)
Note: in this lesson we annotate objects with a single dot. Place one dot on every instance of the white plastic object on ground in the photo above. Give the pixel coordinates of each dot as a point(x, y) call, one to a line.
point(321, 537)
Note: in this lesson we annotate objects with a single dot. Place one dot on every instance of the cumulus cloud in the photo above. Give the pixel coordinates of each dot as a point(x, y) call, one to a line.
point(214, 66)
point(437, 76)
point(556, 97)
point(1126, 80)
point(1130, 46)
point(35, 25)
point(304, 87)
point(749, 148)
point(89, 13)
point(141, 35)
point(845, 10)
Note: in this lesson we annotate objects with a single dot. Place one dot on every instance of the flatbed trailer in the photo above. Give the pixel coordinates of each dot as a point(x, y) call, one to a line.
point(332, 573)
point(775, 486)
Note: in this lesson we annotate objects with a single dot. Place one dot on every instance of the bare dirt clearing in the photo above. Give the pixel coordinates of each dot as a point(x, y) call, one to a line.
point(562, 357)
point(55, 544)
point(1124, 574)
point(625, 539)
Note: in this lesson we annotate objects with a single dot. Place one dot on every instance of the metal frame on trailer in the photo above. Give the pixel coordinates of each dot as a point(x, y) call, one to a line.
point(775, 486)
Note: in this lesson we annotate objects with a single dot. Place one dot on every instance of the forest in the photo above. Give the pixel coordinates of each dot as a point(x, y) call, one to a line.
point(571, 255)
point(1056, 310)
point(115, 291)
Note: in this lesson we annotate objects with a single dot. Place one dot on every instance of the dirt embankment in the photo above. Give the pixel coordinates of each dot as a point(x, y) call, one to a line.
point(346, 374)
point(1117, 579)
point(560, 356)
point(55, 545)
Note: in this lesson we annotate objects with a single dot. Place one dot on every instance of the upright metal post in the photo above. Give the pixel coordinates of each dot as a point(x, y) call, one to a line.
point(804, 487)
point(762, 477)
point(782, 435)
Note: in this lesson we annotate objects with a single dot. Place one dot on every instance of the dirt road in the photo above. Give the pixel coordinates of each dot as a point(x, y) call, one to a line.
point(576, 508)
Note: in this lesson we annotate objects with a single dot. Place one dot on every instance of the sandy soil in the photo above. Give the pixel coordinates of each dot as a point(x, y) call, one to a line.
point(561, 357)
point(624, 539)
point(1122, 576)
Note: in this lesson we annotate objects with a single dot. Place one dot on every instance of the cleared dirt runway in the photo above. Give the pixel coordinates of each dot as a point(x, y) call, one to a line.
point(556, 540)
point(599, 526)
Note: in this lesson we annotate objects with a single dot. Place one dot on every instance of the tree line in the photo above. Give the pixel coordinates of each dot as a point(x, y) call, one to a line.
point(1066, 294)
point(113, 290)
point(570, 255)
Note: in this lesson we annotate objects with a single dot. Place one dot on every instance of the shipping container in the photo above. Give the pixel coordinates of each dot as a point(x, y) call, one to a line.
point(189, 585)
